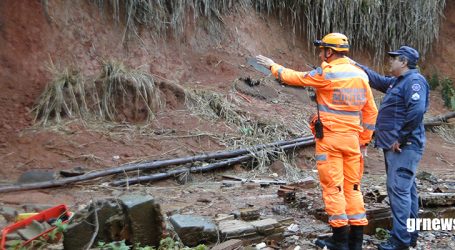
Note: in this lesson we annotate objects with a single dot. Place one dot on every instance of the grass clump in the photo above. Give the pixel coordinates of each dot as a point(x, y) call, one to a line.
point(118, 94)
point(127, 94)
point(64, 96)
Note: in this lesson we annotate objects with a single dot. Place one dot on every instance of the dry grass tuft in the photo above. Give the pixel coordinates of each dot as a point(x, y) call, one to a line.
point(127, 94)
point(119, 94)
point(378, 25)
point(64, 96)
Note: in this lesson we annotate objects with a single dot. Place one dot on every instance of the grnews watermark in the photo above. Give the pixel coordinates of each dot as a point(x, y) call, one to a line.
point(425, 224)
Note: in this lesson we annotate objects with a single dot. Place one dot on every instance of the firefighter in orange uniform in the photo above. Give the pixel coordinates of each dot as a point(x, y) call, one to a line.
point(345, 123)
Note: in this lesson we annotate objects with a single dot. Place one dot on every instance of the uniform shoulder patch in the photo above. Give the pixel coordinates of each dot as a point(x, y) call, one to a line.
point(415, 97)
point(416, 87)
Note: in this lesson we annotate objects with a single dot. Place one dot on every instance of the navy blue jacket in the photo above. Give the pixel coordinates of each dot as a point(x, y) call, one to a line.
point(400, 116)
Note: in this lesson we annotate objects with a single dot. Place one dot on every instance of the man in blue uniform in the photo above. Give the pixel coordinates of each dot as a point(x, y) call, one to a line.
point(401, 135)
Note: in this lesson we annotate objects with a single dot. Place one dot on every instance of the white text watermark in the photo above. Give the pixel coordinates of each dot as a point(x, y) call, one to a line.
point(425, 224)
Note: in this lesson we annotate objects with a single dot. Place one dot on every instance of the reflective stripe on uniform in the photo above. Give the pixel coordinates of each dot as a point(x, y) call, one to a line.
point(321, 157)
point(325, 108)
point(369, 126)
point(280, 70)
point(357, 216)
point(338, 217)
point(339, 75)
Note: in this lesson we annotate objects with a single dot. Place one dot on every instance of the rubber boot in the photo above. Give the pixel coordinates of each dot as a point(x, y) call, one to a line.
point(356, 237)
point(338, 241)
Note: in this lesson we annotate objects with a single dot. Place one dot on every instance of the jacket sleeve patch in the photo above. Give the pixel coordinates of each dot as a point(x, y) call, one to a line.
point(416, 87)
point(415, 97)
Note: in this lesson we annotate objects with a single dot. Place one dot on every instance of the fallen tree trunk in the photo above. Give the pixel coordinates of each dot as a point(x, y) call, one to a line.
point(201, 169)
point(147, 166)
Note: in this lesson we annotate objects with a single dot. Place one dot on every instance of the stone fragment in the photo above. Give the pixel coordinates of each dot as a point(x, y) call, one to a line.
point(249, 214)
point(9, 213)
point(31, 230)
point(194, 230)
point(437, 199)
point(236, 229)
point(82, 227)
point(33, 176)
point(144, 217)
point(306, 183)
point(265, 226)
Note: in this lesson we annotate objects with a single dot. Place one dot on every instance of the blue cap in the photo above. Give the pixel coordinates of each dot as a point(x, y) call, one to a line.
point(410, 53)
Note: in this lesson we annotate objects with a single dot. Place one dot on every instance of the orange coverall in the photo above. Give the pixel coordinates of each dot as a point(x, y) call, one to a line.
point(348, 112)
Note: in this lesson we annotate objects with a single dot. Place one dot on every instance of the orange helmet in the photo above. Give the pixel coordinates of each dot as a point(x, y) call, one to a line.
point(335, 41)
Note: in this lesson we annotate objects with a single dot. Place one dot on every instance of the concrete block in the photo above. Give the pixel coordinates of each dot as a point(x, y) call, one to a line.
point(81, 228)
point(144, 217)
point(9, 213)
point(31, 230)
point(194, 230)
point(437, 199)
point(249, 214)
point(236, 229)
point(265, 226)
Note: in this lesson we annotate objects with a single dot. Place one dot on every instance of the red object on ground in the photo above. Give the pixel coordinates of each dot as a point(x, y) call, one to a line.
point(54, 213)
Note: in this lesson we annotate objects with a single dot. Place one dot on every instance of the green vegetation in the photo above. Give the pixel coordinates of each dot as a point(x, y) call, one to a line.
point(448, 93)
point(165, 244)
point(446, 86)
point(382, 234)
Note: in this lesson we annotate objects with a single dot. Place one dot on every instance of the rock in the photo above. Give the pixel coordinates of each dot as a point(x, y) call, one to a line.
point(194, 230)
point(13, 236)
point(73, 172)
point(447, 213)
point(35, 176)
point(78, 235)
point(423, 175)
point(308, 182)
point(233, 244)
point(236, 229)
point(31, 230)
point(429, 236)
point(437, 199)
point(144, 217)
point(115, 228)
point(9, 213)
point(81, 228)
point(280, 209)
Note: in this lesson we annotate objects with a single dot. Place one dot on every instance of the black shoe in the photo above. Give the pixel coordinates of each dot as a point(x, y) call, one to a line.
point(392, 244)
point(356, 237)
point(413, 243)
point(338, 241)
